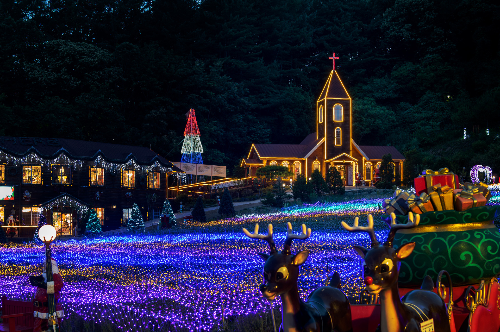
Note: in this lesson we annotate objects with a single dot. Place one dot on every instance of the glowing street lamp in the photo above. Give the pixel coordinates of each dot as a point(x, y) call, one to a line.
point(47, 234)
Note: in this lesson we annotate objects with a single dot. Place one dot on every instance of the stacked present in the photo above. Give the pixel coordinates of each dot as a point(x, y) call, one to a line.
point(438, 191)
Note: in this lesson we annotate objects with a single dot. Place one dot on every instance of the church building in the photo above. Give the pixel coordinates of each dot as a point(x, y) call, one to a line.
point(331, 144)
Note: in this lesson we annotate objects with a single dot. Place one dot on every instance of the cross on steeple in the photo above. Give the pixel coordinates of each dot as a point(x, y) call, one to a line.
point(333, 58)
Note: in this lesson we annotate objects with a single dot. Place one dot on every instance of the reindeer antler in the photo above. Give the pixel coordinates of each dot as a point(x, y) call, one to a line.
point(394, 227)
point(368, 229)
point(306, 232)
point(268, 237)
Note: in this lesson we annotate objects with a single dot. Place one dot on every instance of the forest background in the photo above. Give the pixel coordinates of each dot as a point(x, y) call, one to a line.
point(128, 71)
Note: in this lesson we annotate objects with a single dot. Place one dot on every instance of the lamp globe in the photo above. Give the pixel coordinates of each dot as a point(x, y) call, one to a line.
point(47, 233)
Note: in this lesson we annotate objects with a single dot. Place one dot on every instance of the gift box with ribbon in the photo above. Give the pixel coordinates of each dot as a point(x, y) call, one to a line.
point(398, 205)
point(442, 197)
point(420, 204)
point(430, 178)
point(481, 187)
point(471, 196)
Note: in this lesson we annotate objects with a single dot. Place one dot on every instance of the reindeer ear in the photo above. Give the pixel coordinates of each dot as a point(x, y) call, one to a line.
point(264, 256)
point(361, 251)
point(405, 250)
point(300, 258)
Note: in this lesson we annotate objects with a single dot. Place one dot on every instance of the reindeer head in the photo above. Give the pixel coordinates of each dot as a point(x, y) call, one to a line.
point(381, 263)
point(281, 270)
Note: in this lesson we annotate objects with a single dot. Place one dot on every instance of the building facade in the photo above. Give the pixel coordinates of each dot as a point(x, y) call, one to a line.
point(63, 178)
point(330, 146)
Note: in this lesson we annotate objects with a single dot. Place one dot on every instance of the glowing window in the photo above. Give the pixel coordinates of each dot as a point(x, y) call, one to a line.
point(31, 215)
point(338, 136)
point(337, 112)
point(2, 214)
point(96, 176)
point(368, 171)
point(63, 223)
point(61, 174)
point(128, 178)
point(154, 180)
point(285, 164)
point(273, 163)
point(320, 115)
point(316, 165)
point(2, 173)
point(32, 174)
point(100, 215)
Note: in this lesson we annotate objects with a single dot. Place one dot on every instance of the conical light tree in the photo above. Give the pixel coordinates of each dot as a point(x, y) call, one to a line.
point(93, 223)
point(192, 148)
point(136, 222)
point(167, 210)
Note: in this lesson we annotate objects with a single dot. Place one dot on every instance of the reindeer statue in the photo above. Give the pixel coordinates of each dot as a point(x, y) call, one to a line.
point(327, 308)
point(419, 310)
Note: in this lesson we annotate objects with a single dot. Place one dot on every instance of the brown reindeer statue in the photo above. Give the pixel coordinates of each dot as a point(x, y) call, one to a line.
point(419, 309)
point(326, 309)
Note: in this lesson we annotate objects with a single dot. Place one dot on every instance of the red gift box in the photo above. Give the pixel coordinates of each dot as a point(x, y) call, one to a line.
point(430, 178)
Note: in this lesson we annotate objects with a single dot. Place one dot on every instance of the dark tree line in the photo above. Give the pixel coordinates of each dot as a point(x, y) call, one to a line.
point(127, 71)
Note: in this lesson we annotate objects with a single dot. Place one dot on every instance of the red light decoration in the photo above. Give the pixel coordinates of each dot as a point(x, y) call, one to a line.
point(191, 125)
point(333, 58)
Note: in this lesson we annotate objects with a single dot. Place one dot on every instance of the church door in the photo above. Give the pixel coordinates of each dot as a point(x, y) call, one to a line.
point(350, 179)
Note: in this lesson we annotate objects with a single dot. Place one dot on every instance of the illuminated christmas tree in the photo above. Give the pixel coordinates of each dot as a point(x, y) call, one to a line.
point(93, 224)
point(136, 222)
point(167, 210)
point(192, 148)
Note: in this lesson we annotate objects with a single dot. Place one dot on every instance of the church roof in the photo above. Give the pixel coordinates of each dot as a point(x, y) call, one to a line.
point(334, 88)
point(377, 152)
point(288, 150)
point(81, 150)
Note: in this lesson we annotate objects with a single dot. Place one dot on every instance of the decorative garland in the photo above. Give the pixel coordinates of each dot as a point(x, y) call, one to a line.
point(480, 168)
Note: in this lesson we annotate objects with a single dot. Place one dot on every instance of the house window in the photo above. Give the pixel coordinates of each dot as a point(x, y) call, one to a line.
point(296, 168)
point(31, 215)
point(61, 174)
point(273, 163)
point(320, 115)
point(2, 215)
point(32, 174)
point(2, 173)
point(154, 180)
point(96, 176)
point(128, 178)
point(63, 223)
point(338, 113)
point(285, 164)
point(368, 171)
point(338, 135)
point(316, 165)
point(100, 215)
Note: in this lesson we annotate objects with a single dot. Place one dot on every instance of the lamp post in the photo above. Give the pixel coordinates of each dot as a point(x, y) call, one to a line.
point(47, 234)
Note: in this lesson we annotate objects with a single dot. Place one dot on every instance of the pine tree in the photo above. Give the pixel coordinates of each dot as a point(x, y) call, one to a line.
point(167, 210)
point(198, 211)
point(93, 223)
point(334, 181)
point(136, 222)
point(317, 183)
point(300, 189)
point(386, 172)
point(41, 221)
point(226, 208)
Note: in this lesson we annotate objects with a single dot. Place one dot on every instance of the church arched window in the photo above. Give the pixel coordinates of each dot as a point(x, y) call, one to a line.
point(320, 115)
point(368, 171)
point(338, 136)
point(316, 166)
point(296, 168)
point(338, 113)
point(273, 163)
point(285, 164)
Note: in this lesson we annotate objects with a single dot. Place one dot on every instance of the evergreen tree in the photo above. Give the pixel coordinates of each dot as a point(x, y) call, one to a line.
point(317, 183)
point(167, 210)
point(198, 211)
point(334, 181)
point(278, 196)
point(136, 222)
point(93, 223)
point(41, 221)
point(386, 172)
point(226, 208)
point(300, 189)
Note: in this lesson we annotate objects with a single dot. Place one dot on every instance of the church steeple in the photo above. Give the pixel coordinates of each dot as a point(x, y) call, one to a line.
point(334, 116)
